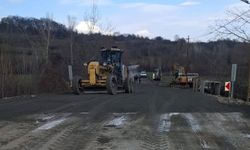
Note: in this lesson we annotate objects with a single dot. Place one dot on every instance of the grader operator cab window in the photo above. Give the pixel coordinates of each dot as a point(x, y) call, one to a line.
point(111, 57)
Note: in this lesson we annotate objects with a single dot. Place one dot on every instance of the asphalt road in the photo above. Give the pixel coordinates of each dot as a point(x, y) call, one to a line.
point(153, 117)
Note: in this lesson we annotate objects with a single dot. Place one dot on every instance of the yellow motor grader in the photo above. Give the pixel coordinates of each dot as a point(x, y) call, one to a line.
point(108, 72)
point(182, 78)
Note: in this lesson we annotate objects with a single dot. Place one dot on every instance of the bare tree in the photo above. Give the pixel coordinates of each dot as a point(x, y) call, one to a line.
point(108, 28)
point(92, 17)
point(47, 22)
point(71, 27)
point(2, 72)
point(176, 37)
point(236, 25)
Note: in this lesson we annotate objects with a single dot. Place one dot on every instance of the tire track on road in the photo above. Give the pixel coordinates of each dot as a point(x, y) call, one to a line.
point(31, 139)
point(28, 140)
point(158, 141)
point(59, 138)
point(158, 138)
point(74, 136)
point(13, 131)
point(225, 132)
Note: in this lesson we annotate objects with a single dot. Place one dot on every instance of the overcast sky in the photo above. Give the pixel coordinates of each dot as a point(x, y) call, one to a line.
point(164, 18)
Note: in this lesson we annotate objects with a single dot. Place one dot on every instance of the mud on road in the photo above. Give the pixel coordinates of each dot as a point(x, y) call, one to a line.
point(153, 118)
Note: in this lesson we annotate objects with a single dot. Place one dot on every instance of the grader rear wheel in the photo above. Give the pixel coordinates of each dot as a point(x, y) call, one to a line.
point(76, 85)
point(112, 84)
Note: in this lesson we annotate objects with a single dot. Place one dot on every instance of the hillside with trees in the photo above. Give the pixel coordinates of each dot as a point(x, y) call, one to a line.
point(35, 54)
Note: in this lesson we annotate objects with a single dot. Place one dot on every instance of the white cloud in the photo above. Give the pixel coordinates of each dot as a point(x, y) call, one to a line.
point(143, 33)
point(150, 19)
point(190, 3)
point(15, 1)
point(84, 27)
point(149, 7)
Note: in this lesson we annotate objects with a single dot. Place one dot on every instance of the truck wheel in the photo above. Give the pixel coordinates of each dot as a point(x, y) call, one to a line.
point(76, 85)
point(111, 85)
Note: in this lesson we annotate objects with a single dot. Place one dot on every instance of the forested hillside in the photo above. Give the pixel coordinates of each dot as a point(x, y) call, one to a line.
point(35, 54)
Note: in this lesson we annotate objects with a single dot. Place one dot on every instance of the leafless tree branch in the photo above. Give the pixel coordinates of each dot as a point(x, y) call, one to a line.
point(71, 27)
point(92, 17)
point(235, 25)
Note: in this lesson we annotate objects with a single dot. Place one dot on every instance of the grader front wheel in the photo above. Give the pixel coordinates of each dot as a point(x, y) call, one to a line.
point(76, 85)
point(112, 85)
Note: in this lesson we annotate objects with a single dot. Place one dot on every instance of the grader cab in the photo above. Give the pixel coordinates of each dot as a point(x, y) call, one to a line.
point(108, 72)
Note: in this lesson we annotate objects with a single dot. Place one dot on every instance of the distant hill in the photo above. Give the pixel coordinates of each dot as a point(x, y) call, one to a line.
point(23, 49)
point(29, 25)
point(29, 33)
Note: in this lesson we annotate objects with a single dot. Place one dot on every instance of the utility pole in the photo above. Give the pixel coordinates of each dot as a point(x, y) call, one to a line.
point(188, 41)
point(71, 26)
point(248, 91)
point(187, 55)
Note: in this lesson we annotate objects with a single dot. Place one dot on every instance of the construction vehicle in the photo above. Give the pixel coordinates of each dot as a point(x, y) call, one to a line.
point(181, 77)
point(108, 73)
point(143, 74)
point(157, 74)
